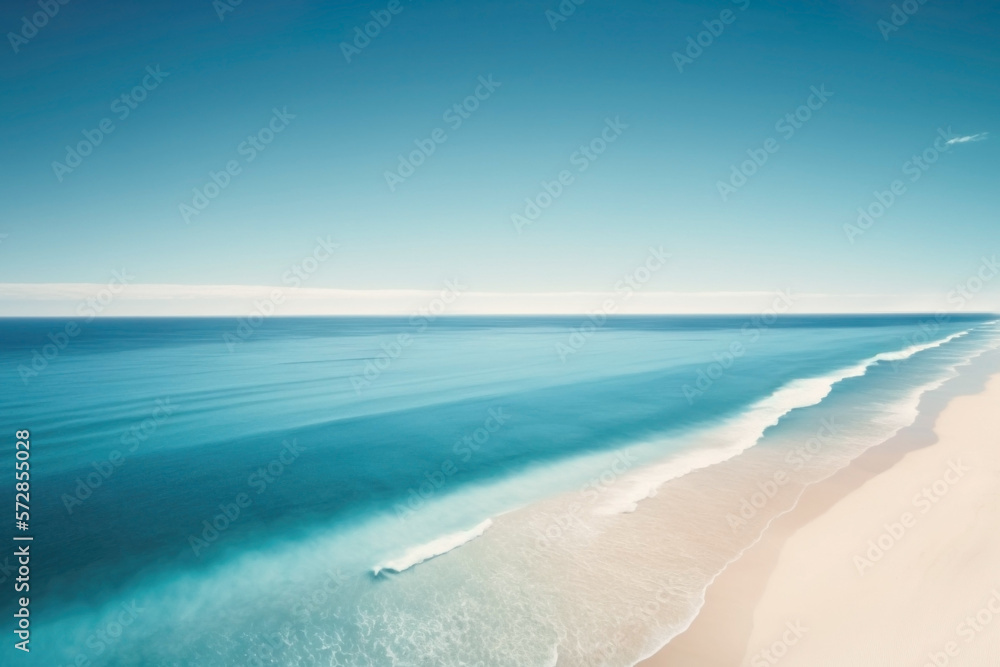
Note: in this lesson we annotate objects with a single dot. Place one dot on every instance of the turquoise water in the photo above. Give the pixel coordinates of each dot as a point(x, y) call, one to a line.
point(353, 491)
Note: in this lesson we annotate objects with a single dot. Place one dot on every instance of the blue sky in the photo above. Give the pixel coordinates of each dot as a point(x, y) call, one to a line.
point(657, 184)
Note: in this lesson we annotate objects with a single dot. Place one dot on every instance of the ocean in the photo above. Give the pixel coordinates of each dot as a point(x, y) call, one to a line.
point(404, 491)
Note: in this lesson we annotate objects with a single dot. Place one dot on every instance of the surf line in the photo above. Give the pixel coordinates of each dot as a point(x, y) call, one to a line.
point(432, 549)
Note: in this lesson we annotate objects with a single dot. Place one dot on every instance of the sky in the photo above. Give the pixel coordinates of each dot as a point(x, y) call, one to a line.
point(206, 149)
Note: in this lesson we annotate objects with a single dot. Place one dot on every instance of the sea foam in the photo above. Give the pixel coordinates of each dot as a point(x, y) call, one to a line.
point(745, 430)
point(442, 545)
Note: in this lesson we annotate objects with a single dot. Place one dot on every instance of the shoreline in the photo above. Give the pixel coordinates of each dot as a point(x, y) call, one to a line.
point(723, 632)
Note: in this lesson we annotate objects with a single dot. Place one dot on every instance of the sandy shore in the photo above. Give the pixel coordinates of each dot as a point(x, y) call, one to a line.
point(895, 560)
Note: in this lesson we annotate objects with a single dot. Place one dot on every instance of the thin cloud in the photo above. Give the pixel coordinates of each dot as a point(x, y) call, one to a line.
point(171, 300)
point(968, 138)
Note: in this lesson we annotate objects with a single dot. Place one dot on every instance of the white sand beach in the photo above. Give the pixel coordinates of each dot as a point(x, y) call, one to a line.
point(893, 561)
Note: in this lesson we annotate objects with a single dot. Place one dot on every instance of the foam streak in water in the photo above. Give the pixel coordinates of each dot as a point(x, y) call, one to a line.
point(441, 545)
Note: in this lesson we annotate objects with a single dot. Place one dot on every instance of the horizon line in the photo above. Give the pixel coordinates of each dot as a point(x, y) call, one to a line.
point(971, 314)
point(121, 297)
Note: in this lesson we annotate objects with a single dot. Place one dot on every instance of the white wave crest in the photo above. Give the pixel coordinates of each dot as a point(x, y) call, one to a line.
point(442, 545)
point(745, 430)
